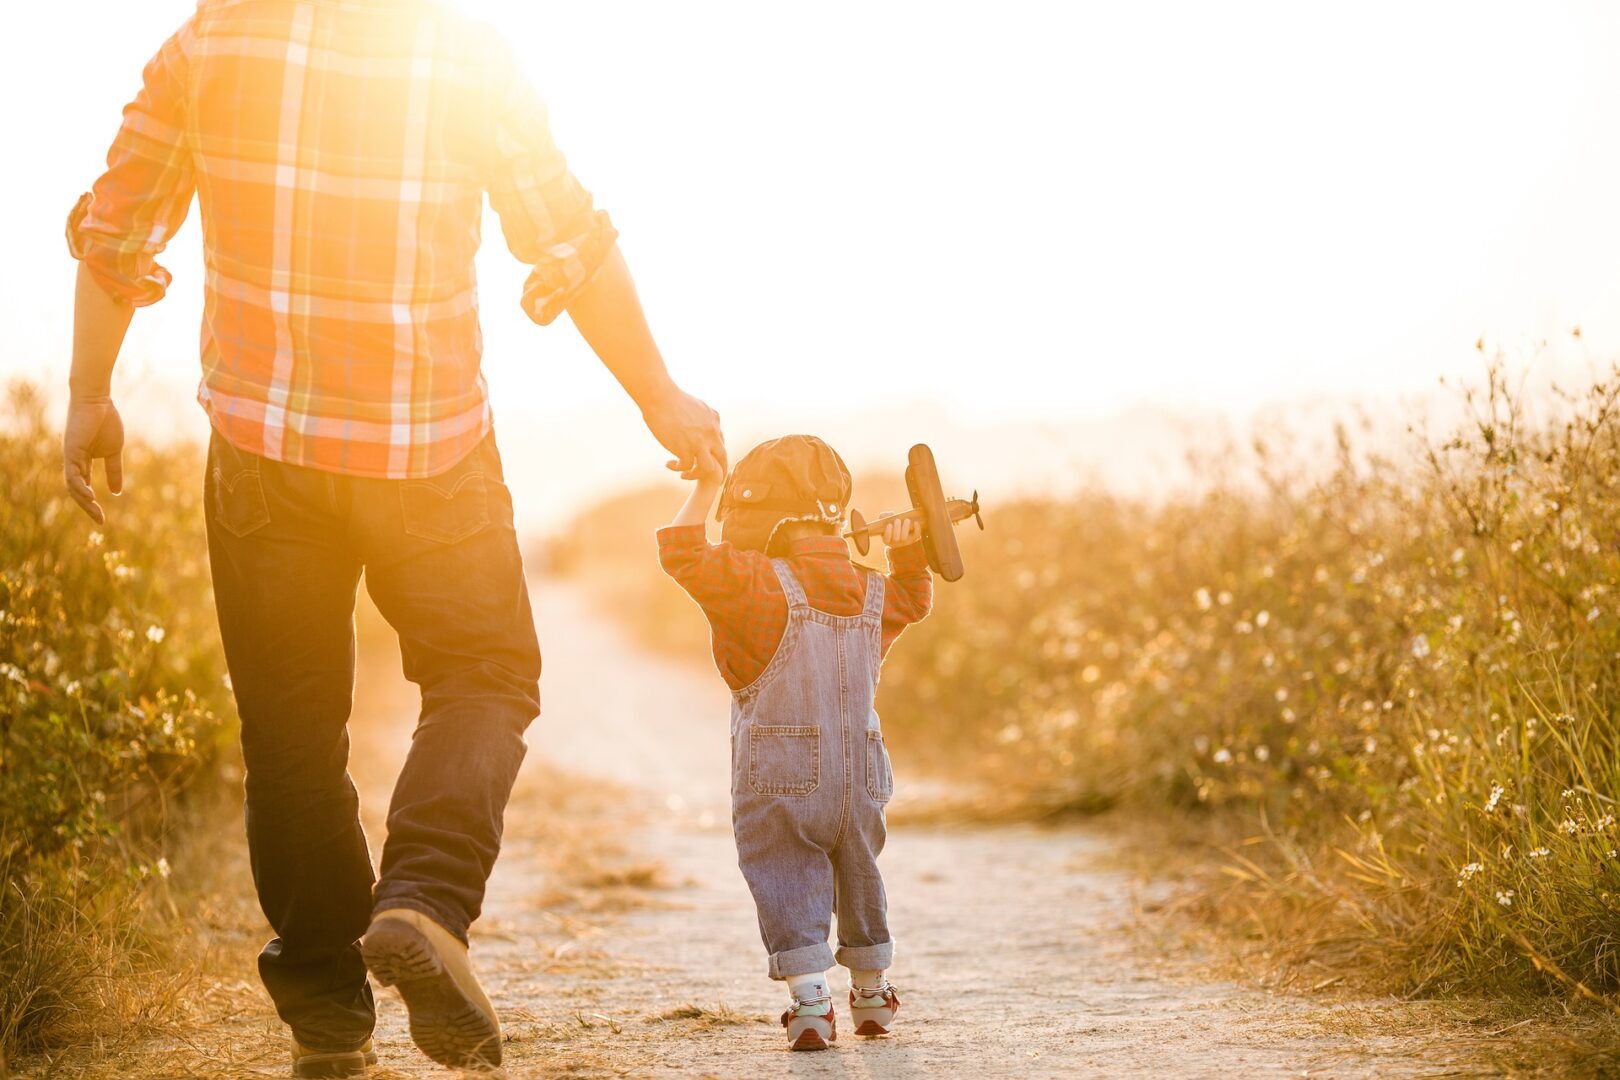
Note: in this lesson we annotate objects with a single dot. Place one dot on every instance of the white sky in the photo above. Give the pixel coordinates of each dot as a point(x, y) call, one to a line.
point(1011, 210)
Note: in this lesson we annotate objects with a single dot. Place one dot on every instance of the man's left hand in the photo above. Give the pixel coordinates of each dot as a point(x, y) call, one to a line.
point(93, 430)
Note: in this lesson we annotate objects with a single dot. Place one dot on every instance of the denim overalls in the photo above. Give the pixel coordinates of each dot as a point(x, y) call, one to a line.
point(809, 777)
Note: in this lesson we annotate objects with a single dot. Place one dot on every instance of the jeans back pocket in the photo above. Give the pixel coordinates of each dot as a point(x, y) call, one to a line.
point(235, 489)
point(449, 508)
point(879, 773)
point(784, 760)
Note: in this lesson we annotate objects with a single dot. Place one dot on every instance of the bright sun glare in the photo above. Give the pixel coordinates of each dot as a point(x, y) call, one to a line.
point(1025, 210)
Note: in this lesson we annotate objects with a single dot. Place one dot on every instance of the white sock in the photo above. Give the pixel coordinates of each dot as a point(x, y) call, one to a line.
point(860, 981)
point(811, 988)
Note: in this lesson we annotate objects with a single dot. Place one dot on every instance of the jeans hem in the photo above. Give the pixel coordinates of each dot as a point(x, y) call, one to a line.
point(808, 960)
point(879, 957)
point(457, 927)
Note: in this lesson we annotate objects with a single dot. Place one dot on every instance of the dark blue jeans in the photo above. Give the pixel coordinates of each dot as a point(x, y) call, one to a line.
point(287, 546)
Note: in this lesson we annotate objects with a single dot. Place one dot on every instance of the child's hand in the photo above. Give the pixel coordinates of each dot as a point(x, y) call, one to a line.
point(710, 471)
point(900, 533)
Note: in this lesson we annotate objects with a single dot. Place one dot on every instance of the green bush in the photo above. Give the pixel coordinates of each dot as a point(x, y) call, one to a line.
point(113, 701)
point(1404, 673)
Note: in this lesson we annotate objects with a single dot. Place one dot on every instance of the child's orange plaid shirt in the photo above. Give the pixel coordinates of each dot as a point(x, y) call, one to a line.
point(748, 611)
point(340, 151)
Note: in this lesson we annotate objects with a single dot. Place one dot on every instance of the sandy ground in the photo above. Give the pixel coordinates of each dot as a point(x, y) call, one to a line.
point(619, 939)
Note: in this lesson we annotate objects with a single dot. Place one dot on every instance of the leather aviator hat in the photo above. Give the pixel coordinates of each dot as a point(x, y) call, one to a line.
point(793, 478)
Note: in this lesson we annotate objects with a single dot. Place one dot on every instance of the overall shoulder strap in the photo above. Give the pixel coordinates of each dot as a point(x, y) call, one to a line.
point(790, 584)
point(875, 584)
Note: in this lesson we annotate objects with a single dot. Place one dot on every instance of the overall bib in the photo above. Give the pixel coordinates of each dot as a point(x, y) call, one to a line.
point(809, 779)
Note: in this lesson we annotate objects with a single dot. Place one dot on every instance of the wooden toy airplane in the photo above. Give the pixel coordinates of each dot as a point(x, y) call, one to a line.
point(929, 506)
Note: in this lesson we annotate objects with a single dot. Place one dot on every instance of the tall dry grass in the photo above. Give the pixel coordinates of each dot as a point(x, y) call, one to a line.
point(113, 705)
point(1400, 673)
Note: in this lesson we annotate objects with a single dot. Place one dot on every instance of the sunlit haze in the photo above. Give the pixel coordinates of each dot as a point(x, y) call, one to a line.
point(964, 216)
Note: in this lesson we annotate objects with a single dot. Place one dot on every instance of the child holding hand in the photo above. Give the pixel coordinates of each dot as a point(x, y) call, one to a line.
point(799, 633)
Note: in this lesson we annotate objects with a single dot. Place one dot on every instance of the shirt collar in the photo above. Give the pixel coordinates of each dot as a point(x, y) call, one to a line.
point(819, 545)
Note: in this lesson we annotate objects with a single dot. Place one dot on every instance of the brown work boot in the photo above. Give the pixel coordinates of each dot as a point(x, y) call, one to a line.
point(320, 1063)
point(452, 1021)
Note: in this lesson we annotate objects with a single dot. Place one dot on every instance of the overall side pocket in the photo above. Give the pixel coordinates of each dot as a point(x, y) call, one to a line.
point(879, 773)
point(784, 760)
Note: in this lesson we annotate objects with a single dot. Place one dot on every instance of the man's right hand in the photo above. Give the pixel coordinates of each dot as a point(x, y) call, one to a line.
point(93, 430)
point(690, 430)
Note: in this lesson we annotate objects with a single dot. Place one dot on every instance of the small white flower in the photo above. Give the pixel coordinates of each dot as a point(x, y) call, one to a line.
point(1420, 646)
point(1569, 827)
point(1594, 615)
point(1262, 618)
point(1496, 797)
point(1202, 599)
point(95, 539)
point(163, 867)
point(1262, 753)
point(1504, 898)
point(1540, 853)
point(1370, 745)
point(1468, 872)
point(155, 634)
point(1223, 756)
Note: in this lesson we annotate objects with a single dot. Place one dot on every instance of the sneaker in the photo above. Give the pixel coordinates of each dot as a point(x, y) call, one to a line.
point(873, 1010)
point(452, 1020)
point(808, 1030)
point(307, 1062)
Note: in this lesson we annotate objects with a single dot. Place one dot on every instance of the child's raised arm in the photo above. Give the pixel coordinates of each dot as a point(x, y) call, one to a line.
point(911, 587)
point(699, 504)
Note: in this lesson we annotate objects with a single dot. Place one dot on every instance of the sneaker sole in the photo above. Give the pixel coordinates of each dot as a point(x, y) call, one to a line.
point(870, 1028)
point(446, 1025)
point(810, 1040)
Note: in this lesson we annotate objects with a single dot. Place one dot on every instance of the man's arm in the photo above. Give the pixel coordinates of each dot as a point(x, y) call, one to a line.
point(93, 428)
point(607, 312)
point(116, 232)
point(551, 223)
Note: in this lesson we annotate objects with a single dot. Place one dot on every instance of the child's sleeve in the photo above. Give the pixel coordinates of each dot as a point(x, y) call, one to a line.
point(727, 583)
point(910, 594)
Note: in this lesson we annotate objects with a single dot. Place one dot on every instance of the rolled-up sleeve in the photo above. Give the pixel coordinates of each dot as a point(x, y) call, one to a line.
point(548, 218)
point(121, 225)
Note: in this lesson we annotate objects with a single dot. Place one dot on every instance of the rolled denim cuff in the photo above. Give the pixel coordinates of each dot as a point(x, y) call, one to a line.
point(878, 957)
point(383, 902)
point(809, 960)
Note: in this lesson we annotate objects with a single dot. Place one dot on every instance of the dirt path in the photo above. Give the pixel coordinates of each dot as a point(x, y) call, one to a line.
point(1017, 946)
point(619, 939)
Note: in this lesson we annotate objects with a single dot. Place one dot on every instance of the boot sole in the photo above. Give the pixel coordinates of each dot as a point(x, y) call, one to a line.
point(329, 1065)
point(446, 1024)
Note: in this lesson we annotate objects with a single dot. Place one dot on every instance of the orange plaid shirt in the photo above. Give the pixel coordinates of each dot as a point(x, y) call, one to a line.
point(340, 151)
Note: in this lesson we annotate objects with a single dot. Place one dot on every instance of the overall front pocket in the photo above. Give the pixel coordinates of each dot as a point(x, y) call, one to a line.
point(879, 773)
point(784, 760)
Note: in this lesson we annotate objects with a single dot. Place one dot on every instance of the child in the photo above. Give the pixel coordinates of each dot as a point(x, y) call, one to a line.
point(799, 632)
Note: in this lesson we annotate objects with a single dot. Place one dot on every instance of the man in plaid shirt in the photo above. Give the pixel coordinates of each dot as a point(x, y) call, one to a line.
point(340, 151)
